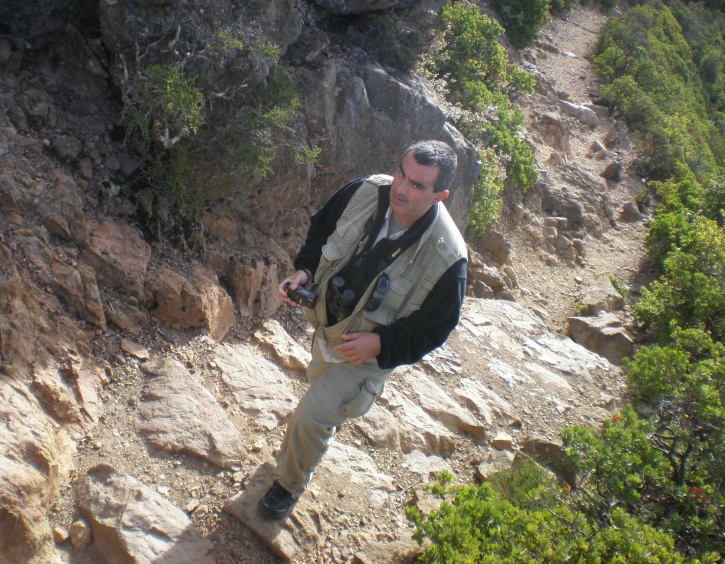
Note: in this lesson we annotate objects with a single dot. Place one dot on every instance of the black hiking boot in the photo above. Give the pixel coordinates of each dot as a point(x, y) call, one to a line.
point(277, 503)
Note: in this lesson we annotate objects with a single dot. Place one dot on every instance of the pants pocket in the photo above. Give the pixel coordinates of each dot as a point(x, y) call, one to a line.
point(364, 400)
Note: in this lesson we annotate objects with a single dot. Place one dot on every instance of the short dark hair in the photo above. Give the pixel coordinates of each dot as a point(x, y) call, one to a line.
point(439, 155)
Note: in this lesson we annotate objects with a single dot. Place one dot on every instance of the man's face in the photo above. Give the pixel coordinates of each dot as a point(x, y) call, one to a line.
point(411, 194)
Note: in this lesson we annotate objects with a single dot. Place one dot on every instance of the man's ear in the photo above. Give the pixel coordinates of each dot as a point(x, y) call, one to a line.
point(440, 196)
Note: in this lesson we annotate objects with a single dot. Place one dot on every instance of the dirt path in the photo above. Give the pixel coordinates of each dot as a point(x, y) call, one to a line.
point(620, 250)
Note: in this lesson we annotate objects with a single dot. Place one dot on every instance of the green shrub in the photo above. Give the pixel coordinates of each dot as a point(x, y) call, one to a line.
point(308, 155)
point(476, 525)
point(164, 106)
point(666, 465)
point(487, 201)
point(478, 81)
point(652, 77)
point(522, 19)
point(691, 291)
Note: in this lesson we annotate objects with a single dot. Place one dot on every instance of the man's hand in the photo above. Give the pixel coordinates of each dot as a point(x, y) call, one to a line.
point(294, 281)
point(360, 347)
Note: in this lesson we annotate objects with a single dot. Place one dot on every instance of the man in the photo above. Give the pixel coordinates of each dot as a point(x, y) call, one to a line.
point(387, 266)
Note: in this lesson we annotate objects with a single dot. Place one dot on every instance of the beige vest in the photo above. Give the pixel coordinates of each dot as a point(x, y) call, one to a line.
point(412, 274)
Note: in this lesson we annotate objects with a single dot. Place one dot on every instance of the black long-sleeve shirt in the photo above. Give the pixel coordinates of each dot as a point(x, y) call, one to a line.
point(406, 340)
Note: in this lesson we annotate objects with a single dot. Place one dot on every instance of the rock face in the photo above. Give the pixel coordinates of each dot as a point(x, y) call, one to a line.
point(603, 335)
point(195, 302)
point(262, 390)
point(28, 483)
point(359, 7)
point(133, 523)
point(77, 286)
point(178, 414)
point(385, 114)
point(118, 255)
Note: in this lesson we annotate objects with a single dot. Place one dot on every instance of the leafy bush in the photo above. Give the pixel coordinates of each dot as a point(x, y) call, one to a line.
point(522, 19)
point(478, 81)
point(666, 465)
point(691, 291)
point(476, 524)
point(652, 79)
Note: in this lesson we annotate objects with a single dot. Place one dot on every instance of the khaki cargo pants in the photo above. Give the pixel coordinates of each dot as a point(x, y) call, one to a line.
point(339, 391)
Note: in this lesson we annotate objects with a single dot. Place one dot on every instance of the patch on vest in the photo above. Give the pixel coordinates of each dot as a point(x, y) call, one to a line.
point(380, 179)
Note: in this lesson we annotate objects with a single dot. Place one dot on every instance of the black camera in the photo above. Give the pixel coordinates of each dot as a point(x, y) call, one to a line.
point(302, 296)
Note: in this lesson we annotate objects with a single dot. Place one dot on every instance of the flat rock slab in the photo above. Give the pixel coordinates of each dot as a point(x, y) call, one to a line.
point(134, 349)
point(261, 389)
point(133, 523)
point(437, 403)
point(418, 430)
point(285, 538)
point(346, 483)
point(285, 348)
point(178, 414)
point(485, 403)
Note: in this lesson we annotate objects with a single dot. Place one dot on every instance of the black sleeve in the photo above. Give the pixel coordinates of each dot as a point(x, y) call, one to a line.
point(322, 224)
point(408, 340)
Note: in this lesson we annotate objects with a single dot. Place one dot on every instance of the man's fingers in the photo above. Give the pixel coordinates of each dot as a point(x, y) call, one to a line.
point(351, 336)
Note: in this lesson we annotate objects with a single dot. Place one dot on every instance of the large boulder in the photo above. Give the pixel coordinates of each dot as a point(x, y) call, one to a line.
point(198, 301)
point(603, 335)
point(601, 295)
point(133, 523)
point(585, 115)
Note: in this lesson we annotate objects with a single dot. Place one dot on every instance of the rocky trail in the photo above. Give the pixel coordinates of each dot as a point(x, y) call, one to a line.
point(138, 437)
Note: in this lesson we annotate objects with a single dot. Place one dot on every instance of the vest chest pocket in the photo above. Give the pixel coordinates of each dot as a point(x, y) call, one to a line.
point(348, 230)
point(400, 293)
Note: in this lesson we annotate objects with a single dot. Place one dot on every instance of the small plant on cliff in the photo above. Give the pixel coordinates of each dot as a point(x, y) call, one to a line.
point(163, 106)
point(203, 129)
point(619, 286)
